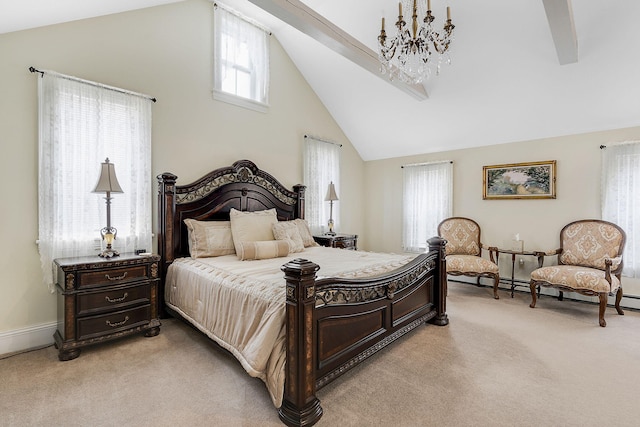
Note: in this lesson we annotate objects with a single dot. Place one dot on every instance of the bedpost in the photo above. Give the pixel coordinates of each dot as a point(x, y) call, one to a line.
point(166, 210)
point(440, 290)
point(299, 190)
point(300, 406)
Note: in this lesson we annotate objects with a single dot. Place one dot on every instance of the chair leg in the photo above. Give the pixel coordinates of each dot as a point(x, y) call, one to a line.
point(618, 298)
point(496, 281)
point(603, 307)
point(534, 299)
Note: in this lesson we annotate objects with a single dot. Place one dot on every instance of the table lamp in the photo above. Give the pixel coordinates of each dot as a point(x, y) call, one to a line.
point(331, 197)
point(108, 183)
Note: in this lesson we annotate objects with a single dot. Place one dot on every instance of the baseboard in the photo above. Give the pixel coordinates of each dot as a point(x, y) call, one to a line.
point(631, 302)
point(27, 338)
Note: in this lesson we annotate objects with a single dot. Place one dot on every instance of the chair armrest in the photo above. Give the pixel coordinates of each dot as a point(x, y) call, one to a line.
point(493, 253)
point(540, 255)
point(553, 252)
point(613, 262)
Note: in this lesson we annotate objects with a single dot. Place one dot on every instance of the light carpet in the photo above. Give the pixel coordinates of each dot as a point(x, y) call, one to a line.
point(498, 363)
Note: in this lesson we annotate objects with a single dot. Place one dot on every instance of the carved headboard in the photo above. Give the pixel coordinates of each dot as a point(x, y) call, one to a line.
point(241, 186)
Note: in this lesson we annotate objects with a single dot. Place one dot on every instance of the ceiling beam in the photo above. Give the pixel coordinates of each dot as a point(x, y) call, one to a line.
point(560, 17)
point(305, 19)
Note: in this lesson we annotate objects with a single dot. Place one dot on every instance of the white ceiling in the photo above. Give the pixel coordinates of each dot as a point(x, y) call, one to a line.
point(505, 83)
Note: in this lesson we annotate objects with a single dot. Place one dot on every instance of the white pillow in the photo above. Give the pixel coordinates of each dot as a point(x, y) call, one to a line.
point(305, 233)
point(288, 230)
point(209, 238)
point(252, 226)
point(263, 250)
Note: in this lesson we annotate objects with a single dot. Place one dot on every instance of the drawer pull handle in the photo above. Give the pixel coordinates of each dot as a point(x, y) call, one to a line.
point(113, 325)
point(117, 277)
point(122, 298)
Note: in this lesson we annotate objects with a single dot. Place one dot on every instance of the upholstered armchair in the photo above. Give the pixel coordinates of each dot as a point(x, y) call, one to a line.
point(464, 251)
point(589, 263)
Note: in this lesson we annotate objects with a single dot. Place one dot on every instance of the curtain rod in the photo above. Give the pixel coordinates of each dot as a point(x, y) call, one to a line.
point(427, 163)
point(77, 79)
point(323, 140)
point(620, 143)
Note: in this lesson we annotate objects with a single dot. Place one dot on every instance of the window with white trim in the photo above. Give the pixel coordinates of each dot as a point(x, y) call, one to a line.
point(81, 123)
point(241, 60)
point(427, 200)
point(321, 166)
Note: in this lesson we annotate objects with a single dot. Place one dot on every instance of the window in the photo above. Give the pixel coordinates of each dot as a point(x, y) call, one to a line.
point(620, 204)
point(427, 200)
point(321, 167)
point(80, 124)
point(241, 60)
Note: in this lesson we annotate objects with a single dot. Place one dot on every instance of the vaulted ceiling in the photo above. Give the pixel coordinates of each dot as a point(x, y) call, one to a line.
point(521, 69)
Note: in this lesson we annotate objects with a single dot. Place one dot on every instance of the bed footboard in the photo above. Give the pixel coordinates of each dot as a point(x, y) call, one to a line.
point(334, 324)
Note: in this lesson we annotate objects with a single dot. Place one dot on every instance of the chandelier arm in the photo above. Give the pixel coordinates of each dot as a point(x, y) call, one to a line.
point(414, 18)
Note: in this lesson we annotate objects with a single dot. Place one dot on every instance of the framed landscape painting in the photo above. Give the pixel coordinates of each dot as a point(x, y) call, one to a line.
point(533, 180)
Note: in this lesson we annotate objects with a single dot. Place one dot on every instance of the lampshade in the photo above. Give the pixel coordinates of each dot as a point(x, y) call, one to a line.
point(108, 183)
point(331, 193)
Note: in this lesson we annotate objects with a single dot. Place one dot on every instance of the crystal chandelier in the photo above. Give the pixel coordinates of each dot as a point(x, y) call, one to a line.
point(407, 56)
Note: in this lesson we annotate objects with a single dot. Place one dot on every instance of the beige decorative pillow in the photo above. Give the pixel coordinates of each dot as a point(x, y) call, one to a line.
point(209, 238)
point(263, 250)
point(305, 233)
point(288, 230)
point(252, 226)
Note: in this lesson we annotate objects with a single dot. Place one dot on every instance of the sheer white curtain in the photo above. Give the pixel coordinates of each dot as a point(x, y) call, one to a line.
point(241, 56)
point(321, 166)
point(620, 201)
point(81, 124)
point(427, 200)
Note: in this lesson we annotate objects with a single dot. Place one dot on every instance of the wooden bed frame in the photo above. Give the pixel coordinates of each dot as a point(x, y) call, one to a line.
point(332, 324)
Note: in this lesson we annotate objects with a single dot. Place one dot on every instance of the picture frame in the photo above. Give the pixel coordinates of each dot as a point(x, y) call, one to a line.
point(530, 180)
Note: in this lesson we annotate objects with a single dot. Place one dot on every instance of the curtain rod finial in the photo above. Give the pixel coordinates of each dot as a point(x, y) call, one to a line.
point(35, 70)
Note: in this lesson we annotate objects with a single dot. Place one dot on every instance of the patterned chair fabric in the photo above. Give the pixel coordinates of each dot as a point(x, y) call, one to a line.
point(464, 251)
point(589, 262)
point(589, 243)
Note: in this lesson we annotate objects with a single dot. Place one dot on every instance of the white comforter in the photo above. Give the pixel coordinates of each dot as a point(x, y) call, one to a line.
point(241, 304)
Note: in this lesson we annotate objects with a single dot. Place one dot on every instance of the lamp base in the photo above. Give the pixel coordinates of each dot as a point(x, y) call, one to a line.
point(108, 234)
point(109, 253)
point(330, 224)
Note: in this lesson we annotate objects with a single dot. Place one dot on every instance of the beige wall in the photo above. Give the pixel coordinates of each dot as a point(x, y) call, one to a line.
point(537, 221)
point(164, 52)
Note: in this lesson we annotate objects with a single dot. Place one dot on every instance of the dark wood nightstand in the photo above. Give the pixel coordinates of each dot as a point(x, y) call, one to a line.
point(103, 299)
point(342, 241)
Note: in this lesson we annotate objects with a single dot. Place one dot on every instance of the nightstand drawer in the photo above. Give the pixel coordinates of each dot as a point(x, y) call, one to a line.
point(113, 322)
point(345, 244)
point(340, 241)
point(113, 299)
point(112, 276)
